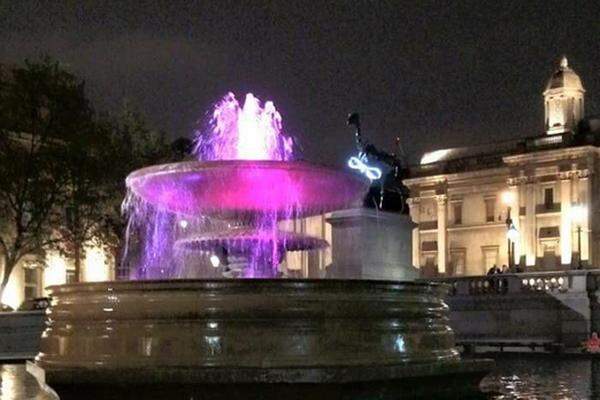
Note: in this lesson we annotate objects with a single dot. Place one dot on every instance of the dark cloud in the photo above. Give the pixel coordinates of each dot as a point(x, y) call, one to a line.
point(435, 73)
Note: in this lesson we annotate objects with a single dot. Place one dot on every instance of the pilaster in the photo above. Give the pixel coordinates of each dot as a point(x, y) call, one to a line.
point(566, 230)
point(442, 233)
point(414, 205)
point(584, 190)
point(514, 215)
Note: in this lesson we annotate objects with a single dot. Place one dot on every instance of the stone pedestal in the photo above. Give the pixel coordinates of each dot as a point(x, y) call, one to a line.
point(371, 244)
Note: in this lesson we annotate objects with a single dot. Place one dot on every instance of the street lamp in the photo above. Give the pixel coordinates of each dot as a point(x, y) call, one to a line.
point(578, 215)
point(512, 234)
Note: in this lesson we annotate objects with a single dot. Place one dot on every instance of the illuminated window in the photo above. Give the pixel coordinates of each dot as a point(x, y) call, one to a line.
point(71, 276)
point(31, 284)
point(548, 197)
point(457, 261)
point(490, 257)
point(490, 210)
point(457, 213)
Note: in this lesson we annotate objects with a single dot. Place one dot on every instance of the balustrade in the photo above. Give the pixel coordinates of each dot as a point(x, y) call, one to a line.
point(530, 282)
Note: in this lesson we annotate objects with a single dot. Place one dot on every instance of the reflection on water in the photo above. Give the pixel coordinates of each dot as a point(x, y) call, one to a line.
point(17, 384)
point(515, 377)
point(544, 377)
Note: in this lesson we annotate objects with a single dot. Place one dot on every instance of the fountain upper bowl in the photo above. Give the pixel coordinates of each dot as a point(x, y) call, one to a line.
point(246, 189)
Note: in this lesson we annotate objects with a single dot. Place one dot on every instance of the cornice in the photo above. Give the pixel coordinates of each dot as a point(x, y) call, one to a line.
point(550, 155)
point(455, 177)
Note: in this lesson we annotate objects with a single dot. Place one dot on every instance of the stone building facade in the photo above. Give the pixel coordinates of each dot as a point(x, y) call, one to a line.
point(34, 273)
point(530, 203)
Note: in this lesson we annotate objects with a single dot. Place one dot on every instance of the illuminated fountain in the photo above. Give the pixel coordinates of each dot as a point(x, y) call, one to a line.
point(245, 175)
point(259, 334)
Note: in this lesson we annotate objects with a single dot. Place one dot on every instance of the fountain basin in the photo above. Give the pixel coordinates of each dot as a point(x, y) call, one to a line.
point(245, 189)
point(249, 332)
point(245, 323)
point(242, 240)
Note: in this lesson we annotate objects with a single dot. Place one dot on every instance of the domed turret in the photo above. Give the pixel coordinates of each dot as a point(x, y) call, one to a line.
point(563, 99)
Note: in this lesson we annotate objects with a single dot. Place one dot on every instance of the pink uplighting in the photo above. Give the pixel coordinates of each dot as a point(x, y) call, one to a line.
point(250, 132)
point(244, 176)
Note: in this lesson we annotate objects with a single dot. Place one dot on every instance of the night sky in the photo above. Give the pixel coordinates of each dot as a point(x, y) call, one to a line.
point(434, 73)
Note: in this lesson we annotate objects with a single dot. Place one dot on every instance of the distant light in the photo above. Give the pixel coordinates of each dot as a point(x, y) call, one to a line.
point(55, 272)
point(96, 265)
point(399, 345)
point(359, 163)
point(183, 224)
point(508, 197)
point(578, 213)
point(513, 234)
point(215, 261)
point(434, 156)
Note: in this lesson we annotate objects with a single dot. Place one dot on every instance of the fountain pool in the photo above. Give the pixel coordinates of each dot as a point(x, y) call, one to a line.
point(205, 338)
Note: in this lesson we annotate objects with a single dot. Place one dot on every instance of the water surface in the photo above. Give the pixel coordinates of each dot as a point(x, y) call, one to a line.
point(515, 377)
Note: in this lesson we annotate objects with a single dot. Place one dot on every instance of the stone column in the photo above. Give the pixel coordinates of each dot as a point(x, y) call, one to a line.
point(529, 230)
point(442, 245)
point(566, 248)
point(414, 205)
point(584, 185)
point(514, 215)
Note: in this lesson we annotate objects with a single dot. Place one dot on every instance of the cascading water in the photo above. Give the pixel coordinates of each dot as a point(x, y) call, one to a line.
point(251, 132)
point(227, 204)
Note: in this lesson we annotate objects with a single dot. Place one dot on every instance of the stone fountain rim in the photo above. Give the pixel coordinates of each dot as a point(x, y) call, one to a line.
point(340, 375)
point(194, 165)
point(166, 284)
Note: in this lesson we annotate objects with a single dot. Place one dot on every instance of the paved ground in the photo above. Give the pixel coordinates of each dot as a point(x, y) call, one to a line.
point(17, 384)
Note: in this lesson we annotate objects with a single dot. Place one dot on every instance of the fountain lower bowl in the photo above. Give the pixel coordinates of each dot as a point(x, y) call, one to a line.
point(242, 241)
point(206, 332)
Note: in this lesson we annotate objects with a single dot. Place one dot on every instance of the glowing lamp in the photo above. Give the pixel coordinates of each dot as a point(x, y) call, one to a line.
point(508, 197)
point(215, 261)
point(578, 213)
point(512, 234)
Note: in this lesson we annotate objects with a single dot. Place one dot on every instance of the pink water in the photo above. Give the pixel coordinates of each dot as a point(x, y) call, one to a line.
point(250, 132)
point(245, 172)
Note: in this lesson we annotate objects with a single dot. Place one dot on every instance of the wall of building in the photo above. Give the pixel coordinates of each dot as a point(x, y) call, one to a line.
point(312, 263)
point(520, 309)
point(543, 190)
point(96, 266)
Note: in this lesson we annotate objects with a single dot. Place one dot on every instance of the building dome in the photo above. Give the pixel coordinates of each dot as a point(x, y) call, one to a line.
point(564, 78)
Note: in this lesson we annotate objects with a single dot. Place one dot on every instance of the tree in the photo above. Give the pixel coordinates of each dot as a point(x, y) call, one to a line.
point(133, 145)
point(63, 168)
point(97, 162)
point(86, 197)
point(42, 107)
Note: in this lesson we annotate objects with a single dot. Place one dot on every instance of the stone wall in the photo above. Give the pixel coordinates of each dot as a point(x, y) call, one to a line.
point(552, 307)
point(371, 244)
point(20, 334)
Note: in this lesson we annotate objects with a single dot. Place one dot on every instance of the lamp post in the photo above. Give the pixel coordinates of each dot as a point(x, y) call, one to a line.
point(578, 214)
point(512, 234)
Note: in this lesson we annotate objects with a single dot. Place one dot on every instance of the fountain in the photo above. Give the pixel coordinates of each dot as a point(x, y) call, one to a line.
point(180, 338)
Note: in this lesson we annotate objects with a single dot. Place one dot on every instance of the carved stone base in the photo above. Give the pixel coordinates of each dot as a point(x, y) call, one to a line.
point(247, 332)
